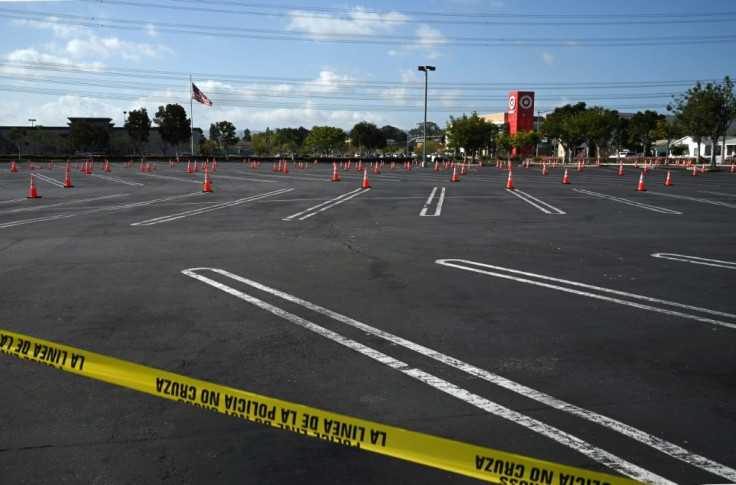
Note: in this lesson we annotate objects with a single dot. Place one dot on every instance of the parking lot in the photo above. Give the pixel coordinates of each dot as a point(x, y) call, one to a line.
point(590, 324)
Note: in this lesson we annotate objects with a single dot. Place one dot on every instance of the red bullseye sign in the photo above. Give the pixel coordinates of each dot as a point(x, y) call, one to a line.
point(512, 104)
point(525, 102)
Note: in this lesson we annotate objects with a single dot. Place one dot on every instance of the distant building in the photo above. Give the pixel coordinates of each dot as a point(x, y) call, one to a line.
point(693, 149)
point(56, 138)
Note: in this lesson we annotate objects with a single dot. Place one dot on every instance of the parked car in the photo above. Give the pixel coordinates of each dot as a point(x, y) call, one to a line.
point(624, 154)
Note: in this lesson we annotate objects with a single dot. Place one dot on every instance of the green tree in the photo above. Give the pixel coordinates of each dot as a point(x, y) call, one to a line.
point(138, 127)
point(173, 125)
point(246, 136)
point(367, 135)
point(223, 134)
point(706, 111)
point(667, 129)
point(325, 140)
point(394, 135)
point(564, 125)
point(433, 129)
point(596, 126)
point(472, 133)
point(207, 147)
point(290, 140)
point(89, 137)
point(640, 126)
point(524, 141)
point(17, 137)
point(47, 140)
point(261, 142)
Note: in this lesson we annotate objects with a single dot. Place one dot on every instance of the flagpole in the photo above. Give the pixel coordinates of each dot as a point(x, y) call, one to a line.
point(191, 116)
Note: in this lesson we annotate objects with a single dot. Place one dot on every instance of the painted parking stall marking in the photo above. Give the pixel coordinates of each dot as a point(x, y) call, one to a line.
point(696, 199)
point(602, 456)
point(438, 206)
point(202, 210)
point(48, 179)
point(631, 432)
point(179, 179)
point(696, 260)
point(533, 201)
point(589, 291)
point(470, 460)
point(120, 181)
point(300, 216)
point(629, 202)
point(94, 211)
point(61, 204)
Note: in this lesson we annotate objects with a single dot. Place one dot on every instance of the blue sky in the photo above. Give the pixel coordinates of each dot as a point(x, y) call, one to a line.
point(328, 63)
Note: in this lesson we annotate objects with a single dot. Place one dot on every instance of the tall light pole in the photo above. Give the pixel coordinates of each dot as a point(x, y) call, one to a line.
point(426, 70)
point(32, 120)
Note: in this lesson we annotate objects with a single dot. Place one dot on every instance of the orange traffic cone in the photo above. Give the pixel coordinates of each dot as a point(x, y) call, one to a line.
point(566, 178)
point(695, 171)
point(207, 183)
point(189, 166)
point(286, 167)
point(454, 175)
point(733, 168)
point(13, 168)
point(377, 169)
point(462, 170)
point(544, 169)
point(335, 176)
point(437, 166)
point(510, 182)
point(33, 194)
point(67, 181)
point(366, 183)
point(107, 165)
point(668, 182)
point(641, 188)
point(620, 168)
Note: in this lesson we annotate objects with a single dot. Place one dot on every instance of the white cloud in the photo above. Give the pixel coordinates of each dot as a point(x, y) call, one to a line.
point(82, 43)
point(151, 30)
point(428, 42)
point(549, 59)
point(358, 21)
point(25, 62)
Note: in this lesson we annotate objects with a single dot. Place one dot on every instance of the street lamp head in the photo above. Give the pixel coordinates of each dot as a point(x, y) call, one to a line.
point(426, 68)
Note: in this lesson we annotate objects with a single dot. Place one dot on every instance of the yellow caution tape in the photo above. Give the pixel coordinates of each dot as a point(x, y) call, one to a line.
point(474, 461)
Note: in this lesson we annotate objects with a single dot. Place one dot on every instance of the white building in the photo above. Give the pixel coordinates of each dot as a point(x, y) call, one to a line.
point(693, 150)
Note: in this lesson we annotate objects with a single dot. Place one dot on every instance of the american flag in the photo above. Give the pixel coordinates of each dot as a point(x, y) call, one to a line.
point(199, 96)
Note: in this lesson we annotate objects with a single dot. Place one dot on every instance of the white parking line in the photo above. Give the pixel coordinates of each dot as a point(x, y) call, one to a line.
point(324, 205)
point(72, 202)
point(696, 260)
point(93, 211)
point(147, 174)
point(438, 209)
point(194, 212)
point(121, 181)
point(695, 199)
point(539, 204)
point(601, 456)
point(629, 202)
point(48, 179)
point(469, 266)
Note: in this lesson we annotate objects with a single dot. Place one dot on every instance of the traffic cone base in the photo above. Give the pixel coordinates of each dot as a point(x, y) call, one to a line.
point(566, 178)
point(668, 182)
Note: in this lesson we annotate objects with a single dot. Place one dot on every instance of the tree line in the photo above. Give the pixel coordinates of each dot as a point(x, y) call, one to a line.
point(703, 111)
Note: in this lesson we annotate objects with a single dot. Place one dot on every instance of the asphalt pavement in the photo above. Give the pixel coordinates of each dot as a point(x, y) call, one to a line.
point(593, 324)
